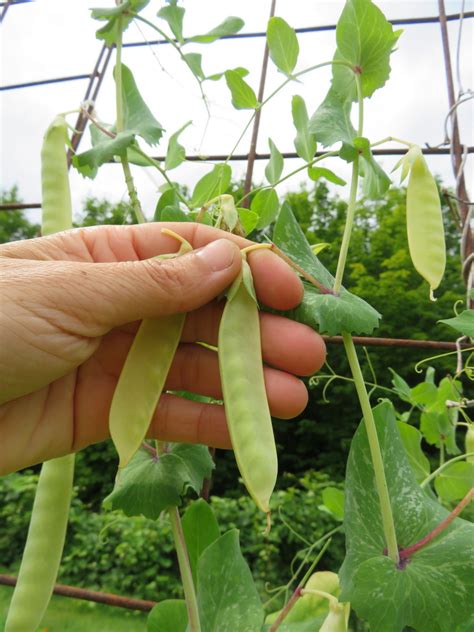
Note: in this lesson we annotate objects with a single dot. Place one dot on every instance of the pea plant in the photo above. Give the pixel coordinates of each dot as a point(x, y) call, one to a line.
point(408, 552)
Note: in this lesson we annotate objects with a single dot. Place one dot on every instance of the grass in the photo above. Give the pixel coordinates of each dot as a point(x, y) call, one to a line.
point(70, 615)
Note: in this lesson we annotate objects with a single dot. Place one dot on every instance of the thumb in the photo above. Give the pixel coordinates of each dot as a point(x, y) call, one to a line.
point(117, 293)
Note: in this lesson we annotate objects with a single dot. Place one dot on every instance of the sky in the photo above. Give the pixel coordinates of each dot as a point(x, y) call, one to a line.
point(51, 38)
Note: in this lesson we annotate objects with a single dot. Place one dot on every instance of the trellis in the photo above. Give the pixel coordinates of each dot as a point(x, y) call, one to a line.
point(452, 147)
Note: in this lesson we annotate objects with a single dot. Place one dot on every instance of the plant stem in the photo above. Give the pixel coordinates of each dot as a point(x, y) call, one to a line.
point(185, 570)
point(341, 263)
point(408, 552)
point(360, 98)
point(374, 446)
point(132, 192)
point(442, 467)
point(298, 591)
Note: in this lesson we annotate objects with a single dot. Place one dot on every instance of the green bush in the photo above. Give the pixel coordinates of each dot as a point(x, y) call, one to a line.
point(135, 556)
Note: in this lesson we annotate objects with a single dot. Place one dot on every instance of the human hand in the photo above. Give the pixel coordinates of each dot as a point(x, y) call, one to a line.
point(70, 303)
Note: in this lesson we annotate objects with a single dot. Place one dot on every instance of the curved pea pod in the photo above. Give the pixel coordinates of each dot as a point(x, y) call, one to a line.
point(243, 386)
point(56, 195)
point(143, 377)
point(425, 223)
point(44, 546)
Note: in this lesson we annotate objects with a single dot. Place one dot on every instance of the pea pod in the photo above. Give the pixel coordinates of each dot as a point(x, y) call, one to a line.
point(56, 195)
point(245, 399)
point(44, 546)
point(143, 377)
point(47, 530)
point(424, 222)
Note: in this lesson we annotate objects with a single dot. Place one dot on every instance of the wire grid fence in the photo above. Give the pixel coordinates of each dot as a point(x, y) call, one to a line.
point(451, 146)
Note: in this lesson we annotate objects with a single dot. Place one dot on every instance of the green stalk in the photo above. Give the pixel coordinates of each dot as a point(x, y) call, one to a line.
point(442, 467)
point(185, 570)
point(341, 263)
point(132, 192)
point(375, 453)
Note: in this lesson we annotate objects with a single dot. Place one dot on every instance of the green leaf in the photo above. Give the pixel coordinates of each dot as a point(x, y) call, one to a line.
point(137, 116)
point(248, 219)
point(333, 499)
point(411, 438)
point(148, 485)
point(365, 39)
point(176, 153)
point(173, 214)
point(454, 482)
point(88, 162)
point(464, 323)
point(432, 592)
point(327, 313)
point(242, 72)
point(282, 45)
point(375, 182)
point(423, 394)
point(243, 96)
point(168, 198)
point(194, 61)
point(173, 15)
point(265, 204)
point(305, 142)
point(316, 173)
point(229, 26)
point(437, 429)
point(275, 166)
point(117, 19)
point(401, 387)
point(212, 184)
point(227, 597)
point(348, 152)
point(200, 529)
point(332, 120)
point(170, 615)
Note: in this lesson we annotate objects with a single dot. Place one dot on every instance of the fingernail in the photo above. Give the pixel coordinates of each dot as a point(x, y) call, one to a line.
point(219, 254)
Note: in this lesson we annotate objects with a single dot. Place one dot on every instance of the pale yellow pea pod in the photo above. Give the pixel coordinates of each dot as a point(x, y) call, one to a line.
point(143, 376)
point(425, 223)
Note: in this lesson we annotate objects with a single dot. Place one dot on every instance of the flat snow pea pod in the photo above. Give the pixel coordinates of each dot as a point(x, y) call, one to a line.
point(56, 196)
point(44, 546)
point(143, 377)
point(425, 223)
point(243, 386)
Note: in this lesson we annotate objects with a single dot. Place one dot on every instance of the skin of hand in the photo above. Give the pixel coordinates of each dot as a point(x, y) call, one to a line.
point(71, 304)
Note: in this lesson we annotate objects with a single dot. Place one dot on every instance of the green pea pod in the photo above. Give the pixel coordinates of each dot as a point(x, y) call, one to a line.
point(469, 442)
point(143, 376)
point(44, 546)
point(56, 195)
point(425, 223)
point(47, 530)
point(243, 386)
point(336, 620)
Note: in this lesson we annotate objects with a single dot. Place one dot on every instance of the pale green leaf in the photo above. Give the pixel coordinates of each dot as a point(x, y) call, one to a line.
point(173, 15)
point(211, 185)
point(332, 120)
point(228, 599)
point(243, 96)
point(454, 482)
point(305, 142)
point(333, 499)
point(118, 19)
point(282, 45)
point(249, 219)
point(170, 615)
point(88, 162)
point(194, 61)
point(316, 173)
point(175, 153)
point(137, 117)
point(464, 323)
point(265, 204)
point(200, 529)
point(228, 27)
point(275, 166)
point(411, 438)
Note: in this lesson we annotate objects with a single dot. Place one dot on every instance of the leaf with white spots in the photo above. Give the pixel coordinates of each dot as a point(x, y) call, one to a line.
point(431, 591)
